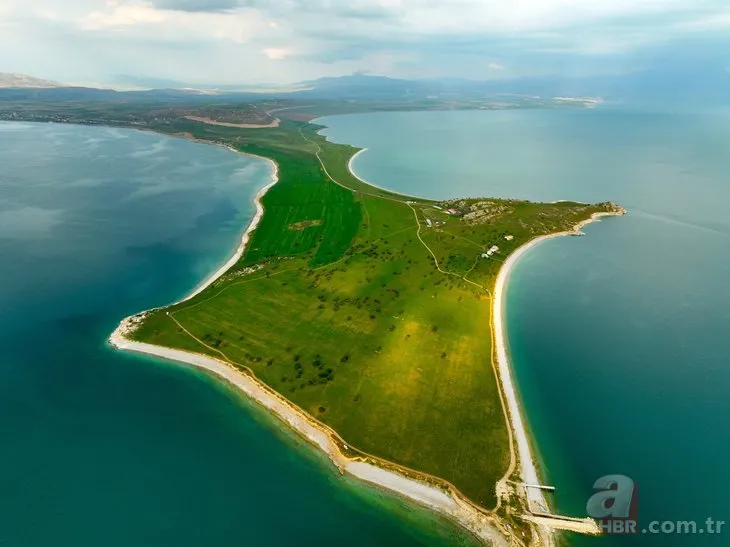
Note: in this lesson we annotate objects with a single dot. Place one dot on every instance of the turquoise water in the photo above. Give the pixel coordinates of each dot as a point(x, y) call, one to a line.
point(620, 339)
point(102, 448)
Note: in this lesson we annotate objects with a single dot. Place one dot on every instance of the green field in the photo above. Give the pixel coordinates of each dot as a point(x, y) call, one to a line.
point(339, 305)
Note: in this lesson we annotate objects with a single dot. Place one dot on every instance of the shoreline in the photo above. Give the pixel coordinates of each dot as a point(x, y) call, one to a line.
point(273, 123)
point(441, 497)
point(528, 470)
point(354, 173)
point(440, 500)
point(526, 463)
point(238, 253)
point(364, 181)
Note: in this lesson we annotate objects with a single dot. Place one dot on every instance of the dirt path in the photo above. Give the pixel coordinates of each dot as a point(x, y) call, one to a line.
point(274, 123)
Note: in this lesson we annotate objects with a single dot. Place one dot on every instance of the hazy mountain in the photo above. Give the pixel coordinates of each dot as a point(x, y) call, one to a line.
point(126, 80)
point(677, 85)
point(24, 81)
point(365, 86)
point(708, 85)
point(95, 96)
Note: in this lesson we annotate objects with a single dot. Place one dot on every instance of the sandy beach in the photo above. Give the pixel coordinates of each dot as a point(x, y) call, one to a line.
point(442, 500)
point(526, 462)
point(358, 177)
point(445, 500)
point(235, 257)
point(439, 500)
point(274, 123)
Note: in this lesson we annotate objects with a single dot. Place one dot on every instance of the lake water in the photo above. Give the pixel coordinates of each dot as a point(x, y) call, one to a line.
point(620, 340)
point(102, 448)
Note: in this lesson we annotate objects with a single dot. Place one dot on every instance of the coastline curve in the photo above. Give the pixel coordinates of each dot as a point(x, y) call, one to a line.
point(440, 497)
point(352, 171)
point(526, 463)
point(445, 501)
point(238, 253)
point(442, 501)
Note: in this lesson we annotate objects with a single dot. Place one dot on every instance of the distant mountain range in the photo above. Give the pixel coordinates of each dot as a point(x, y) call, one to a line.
point(17, 81)
point(710, 86)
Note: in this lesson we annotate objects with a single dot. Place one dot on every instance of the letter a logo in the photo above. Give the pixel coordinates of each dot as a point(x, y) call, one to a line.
point(614, 498)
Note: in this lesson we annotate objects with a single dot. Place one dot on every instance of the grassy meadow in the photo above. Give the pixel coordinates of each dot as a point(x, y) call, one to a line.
point(346, 314)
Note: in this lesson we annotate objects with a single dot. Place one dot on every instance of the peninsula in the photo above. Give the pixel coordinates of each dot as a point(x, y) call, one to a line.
point(362, 318)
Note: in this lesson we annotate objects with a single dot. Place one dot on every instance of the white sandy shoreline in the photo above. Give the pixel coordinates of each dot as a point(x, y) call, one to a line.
point(352, 171)
point(528, 469)
point(442, 501)
point(439, 500)
point(236, 256)
point(364, 181)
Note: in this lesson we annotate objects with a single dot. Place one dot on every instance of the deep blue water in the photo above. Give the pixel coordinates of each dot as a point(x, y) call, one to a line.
point(620, 340)
point(102, 448)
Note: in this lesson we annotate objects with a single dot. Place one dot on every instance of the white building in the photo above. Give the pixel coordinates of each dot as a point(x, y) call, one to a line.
point(493, 249)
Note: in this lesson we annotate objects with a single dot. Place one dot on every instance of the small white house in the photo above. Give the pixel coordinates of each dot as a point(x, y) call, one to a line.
point(509, 237)
point(493, 249)
point(428, 221)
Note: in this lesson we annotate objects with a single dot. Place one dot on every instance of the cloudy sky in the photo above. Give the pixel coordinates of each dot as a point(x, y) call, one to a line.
point(283, 41)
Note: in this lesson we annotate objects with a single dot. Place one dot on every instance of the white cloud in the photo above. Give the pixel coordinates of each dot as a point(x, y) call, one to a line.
point(284, 40)
point(507, 16)
point(717, 21)
point(143, 20)
point(122, 15)
point(276, 53)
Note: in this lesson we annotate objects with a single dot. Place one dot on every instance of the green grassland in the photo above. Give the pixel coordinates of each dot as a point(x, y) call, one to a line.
point(350, 318)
